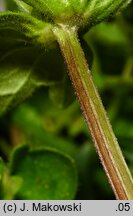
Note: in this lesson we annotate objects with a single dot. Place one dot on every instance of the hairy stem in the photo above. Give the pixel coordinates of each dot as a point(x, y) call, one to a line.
point(94, 113)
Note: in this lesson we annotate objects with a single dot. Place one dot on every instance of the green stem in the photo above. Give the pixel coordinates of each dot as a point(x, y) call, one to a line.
point(105, 141)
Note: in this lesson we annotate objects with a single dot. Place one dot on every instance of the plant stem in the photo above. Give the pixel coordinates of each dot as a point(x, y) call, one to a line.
point(105, 141)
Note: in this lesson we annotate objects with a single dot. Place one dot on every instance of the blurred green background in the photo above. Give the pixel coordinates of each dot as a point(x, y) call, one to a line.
point(51, 117)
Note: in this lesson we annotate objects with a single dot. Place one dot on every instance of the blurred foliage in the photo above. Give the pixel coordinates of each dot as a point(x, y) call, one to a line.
point(44, 169)
point(59, 146)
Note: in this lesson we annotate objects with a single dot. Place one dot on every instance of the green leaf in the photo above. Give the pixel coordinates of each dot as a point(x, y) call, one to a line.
point(15, 69)
point(128, 14)
point(46, 174)
point(8, 185)
point(124, 128)
point(102, 182)
point(18, 4)
point(10, 40)
point(47, 70)
point(11, 5)
point(98, 10)
point(28, 26)
point(21, 22)
point(39, 5)
point(62, 94)
point(1, 168)
point(38, 132)
point(87, 164)
point(23, 70)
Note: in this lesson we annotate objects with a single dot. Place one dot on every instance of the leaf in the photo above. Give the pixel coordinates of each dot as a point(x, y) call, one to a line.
point(32, 125)
point(28, 26)
point(102, 183)
point(124, 128)
point(15, 5)
point(112, 49)
point(98, 10)
point(87, 164)
point(15, 69)
point(10, 40)
point(1, 168)
point(128, 14)
point(10, 186)
point(62, 94)
point(2, 171)
point(47, 70)
point(11, 5)
point(46, 174)
point(22, 70)
point(23, 6)
point(19, 21)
